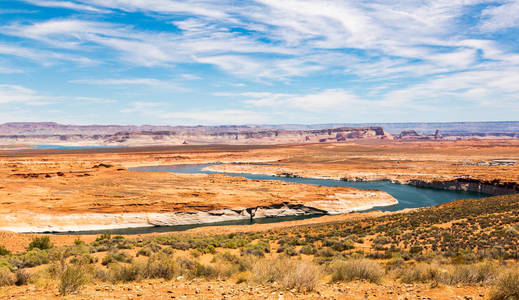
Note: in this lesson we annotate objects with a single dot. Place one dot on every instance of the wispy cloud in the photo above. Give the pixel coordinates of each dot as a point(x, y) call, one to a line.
point(16, 94)
point(216, 117)
point(191, 77)
point(66, 4)
point(315, 55)
point(122, 81)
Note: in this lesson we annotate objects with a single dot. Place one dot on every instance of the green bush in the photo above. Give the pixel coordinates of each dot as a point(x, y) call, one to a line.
point(42, 243)
point(4, 251)
point(34, 257)
point(116, 256)
point(356, 269)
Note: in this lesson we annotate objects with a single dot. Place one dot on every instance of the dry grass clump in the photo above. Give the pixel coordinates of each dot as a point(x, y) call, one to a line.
point(161, 266)
point(6, 277)
point(507, 286)
point(480, 273)
point(356, 269)
point(421, 272)
point(72, 279)
point(290, 274)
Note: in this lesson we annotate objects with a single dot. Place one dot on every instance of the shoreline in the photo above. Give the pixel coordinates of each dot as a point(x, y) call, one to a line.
point(106, 221)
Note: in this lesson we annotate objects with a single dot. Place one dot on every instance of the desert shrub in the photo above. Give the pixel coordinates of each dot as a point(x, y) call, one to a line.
point(484, 273)
point(6, 277)
point(42, 243)
point(83, 259)
point(34, 257)
point(308, 250)
point(205, 271)
point(268, 270)
point(339, 245)
point(22, 277)
point(257, 249)
point(104, 236)
point(421, 272)
point(4, 251)
point(161, 266)
point(356, 269)
point(325, 252)
point(291, 251)
point(101, 274)
point(125, 273)
point(290, 274)
point(146, 251)
point(507, 286)
point(72, 279)
point(116, 256)
point(302, 276)
point(397, 262)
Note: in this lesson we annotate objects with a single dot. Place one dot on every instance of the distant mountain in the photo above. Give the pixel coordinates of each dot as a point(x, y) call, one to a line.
point(451, 128)
point(37, 128)
point(113, 135)
point(421, 128)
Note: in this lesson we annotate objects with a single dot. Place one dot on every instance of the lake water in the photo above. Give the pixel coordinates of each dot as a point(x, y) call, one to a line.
point(407, 196)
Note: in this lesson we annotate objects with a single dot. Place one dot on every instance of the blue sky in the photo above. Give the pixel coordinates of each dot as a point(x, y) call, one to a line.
point(258, 62)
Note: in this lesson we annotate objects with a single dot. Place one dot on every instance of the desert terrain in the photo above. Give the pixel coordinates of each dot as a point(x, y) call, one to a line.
point(61, 190)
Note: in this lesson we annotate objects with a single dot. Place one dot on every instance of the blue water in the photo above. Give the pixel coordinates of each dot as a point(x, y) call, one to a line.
point(408, 196)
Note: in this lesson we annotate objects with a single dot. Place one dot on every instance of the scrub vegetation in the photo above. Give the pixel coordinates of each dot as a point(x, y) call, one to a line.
point(466, 242)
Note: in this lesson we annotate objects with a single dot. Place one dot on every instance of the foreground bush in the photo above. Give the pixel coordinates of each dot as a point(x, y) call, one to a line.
point(421, 273)
point(290, 274)
point(6, 277)
point(72, 279)
point(481, 273)
point(304, 277)
point(507, 286)
point(356, 269)
point(161, 266)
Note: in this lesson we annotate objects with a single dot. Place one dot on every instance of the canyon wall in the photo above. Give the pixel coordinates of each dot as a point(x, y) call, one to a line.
point(202, 136)
point(494, 187)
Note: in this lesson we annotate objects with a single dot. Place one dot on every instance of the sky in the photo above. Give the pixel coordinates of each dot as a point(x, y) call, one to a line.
point(258, 62)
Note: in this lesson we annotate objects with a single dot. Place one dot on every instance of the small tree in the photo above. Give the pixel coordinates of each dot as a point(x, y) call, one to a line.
point(4, 251)
point(42, 243)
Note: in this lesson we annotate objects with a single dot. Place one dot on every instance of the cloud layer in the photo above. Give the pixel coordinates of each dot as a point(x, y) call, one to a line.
point(402, 58)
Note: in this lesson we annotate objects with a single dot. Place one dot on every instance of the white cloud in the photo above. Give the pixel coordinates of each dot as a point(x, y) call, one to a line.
point(501, 16)
point(216, 117)
point(66, 4)
point(44, 57)
point(191, 77)
point(122, 81)
point(93, 100)
point(16, 94)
